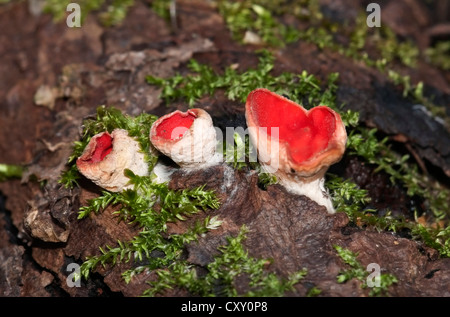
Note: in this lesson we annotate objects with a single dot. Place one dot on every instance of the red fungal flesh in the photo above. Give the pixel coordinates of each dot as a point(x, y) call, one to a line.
point(179, 121)
point(103, 147)
point(306, 132)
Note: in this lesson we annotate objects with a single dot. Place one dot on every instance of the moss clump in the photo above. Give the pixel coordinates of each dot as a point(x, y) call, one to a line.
point(349, 198)
point(357, 271)
point(137, 206)
point(250, 16)
point(439, 55)
point(233, 262)
point(303, 88)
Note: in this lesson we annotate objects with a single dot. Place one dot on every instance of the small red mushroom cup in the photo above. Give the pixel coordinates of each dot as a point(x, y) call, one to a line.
point(295, 144)
point(106, 157)
point(188, 138)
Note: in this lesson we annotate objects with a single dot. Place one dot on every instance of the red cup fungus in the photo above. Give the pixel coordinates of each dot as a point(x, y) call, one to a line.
point(106, 157)
point(295, 144)
point(188, 138)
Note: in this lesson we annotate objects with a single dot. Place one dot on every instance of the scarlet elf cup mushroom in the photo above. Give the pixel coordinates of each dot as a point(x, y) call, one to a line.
point(188, 138)
point(295, 144)
point(106, 157)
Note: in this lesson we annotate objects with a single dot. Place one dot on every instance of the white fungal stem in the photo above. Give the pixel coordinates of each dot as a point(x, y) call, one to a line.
point(314, 189)
point(162, 173)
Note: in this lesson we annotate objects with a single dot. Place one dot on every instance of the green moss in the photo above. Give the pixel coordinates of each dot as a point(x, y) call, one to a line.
point(241, 155)
point(349, 198)
point(8, 171)
point(357, 271)
point(250, 16)
point(391, 49)
point(263, 18)
point(116, 12)
point(162, 8)
point(415, 93)
point(313, 292)
point(376, 47)
point(233, 262)
point(364, 143)
point(437, 238)
point(57, 8)
point(171, 270)
point(303, 88)
point(137, 207)
point(382, 43)
point(439, 55)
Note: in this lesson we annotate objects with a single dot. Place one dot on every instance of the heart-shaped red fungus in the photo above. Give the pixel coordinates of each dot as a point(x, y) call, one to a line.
point(103, 146)
point(307, 133)
point(174, 126)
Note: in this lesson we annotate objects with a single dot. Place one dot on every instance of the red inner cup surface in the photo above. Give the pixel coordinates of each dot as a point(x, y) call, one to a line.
point(174, 127)
point(103, 147)
point(307, 132)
